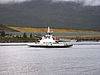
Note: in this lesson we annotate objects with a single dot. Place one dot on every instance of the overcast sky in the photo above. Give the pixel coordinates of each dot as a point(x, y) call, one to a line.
point(85, 2)
point(12, 1)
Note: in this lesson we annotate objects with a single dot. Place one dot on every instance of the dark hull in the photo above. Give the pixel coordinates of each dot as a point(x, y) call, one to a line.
point(51, 46)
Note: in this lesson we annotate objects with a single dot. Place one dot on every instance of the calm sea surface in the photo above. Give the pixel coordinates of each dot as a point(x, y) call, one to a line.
point(23, 60)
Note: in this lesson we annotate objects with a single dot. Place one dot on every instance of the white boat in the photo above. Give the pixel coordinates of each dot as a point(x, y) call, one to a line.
point(49, 41)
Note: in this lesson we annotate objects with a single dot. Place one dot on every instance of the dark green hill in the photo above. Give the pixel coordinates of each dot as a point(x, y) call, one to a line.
point(43, 13)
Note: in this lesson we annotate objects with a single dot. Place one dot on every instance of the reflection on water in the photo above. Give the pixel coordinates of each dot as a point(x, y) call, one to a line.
point(77, 60)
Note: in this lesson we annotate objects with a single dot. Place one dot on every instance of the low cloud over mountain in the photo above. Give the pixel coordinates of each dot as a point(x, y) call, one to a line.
point(12, 1)
point(84, 2)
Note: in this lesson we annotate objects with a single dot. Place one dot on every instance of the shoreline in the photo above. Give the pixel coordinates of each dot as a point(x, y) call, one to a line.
point(74, 43)
point(34, 39)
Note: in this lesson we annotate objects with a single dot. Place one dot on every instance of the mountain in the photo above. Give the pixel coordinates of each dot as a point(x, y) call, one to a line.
point(43, 13)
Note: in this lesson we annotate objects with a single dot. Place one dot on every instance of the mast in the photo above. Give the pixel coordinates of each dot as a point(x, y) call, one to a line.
point(48, 29)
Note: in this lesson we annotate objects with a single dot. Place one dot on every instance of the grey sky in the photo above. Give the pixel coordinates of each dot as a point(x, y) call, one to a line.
point(85, 2)
point(12, 1)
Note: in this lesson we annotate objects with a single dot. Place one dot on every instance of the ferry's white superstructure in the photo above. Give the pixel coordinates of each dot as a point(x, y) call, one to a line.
point(49, 41)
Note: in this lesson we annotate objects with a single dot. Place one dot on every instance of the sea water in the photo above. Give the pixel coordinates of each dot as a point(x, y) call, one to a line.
point(24, 60)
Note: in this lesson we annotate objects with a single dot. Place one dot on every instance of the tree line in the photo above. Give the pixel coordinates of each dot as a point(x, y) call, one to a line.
point(3, 34)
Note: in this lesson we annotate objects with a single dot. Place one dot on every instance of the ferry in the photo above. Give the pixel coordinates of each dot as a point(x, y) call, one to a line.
point(49, 41)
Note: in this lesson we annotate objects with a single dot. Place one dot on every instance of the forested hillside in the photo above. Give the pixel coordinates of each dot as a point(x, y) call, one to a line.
point(42, 13)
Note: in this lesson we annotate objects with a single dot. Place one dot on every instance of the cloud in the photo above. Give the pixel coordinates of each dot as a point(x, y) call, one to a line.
point(84, 2)
point(12, 1)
